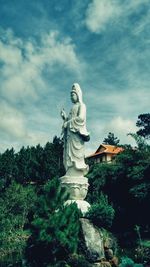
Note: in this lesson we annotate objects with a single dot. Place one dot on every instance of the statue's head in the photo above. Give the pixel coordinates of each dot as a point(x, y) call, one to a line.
point(76, 93)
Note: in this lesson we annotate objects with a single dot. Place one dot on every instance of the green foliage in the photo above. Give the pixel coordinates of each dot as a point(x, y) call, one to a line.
point(15, 205)
point(127, 184)
point(98, 176)
point(7, 167)
point(52, 237)
point(143, 123)
point(109, 240)
point(32, 164)
point(140, 141)
point(140, 191)
point(146, 243)
point(101, 213)
point(55, 227)
point(76, 260)
point(111, 140)
point(59, 264)
point(127, 262)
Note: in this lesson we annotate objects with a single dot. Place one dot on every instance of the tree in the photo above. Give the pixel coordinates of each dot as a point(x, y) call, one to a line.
point(143, 123)
point(53, 160)
point(54, 229)
point(23, 158)
point(111, 140)
point(32, 164)
point(101, 213)
point(127, 184)
point(8, 167)
point(15, 204)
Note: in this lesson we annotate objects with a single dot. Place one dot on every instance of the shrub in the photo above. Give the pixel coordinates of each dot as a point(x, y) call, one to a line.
point(101, 213)
point(54, 228)
point(126, 262)
point(15, 205)
point(78, 260)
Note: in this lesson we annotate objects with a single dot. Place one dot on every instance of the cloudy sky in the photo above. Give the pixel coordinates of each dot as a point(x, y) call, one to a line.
point(46, 46)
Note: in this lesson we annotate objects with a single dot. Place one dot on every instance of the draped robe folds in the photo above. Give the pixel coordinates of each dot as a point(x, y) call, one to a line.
point(75, 134)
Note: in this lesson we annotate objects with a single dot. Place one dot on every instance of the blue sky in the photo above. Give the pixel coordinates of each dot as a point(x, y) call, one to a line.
point(46, 46)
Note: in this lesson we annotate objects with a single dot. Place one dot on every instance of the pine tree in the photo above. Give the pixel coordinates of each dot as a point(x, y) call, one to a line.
point(8, 167)
point(111, 140)
point(15, 204)
point(143, 123)
point(55, 227)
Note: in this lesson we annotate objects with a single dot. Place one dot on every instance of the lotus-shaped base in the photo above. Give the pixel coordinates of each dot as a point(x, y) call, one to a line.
point(77, 188)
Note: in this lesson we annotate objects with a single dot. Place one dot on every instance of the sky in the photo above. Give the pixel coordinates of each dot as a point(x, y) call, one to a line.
point(46, 46)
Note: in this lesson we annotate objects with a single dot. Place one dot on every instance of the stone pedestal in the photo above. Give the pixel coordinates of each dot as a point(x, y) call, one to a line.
point(77, 188)
point(93, 241)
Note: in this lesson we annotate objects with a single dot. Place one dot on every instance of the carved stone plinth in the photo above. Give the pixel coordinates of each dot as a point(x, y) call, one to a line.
point(81, 204)
point(77, 188)
point(93, 241)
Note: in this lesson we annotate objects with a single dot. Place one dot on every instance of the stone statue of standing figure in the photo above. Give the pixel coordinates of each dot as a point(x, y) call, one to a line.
point(74, 135)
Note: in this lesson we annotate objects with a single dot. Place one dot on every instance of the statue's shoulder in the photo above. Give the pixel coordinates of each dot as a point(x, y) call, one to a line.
point(82, 108)
point(82, 105)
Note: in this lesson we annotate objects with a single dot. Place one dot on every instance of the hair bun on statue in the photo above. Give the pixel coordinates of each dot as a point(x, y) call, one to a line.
point(76, 89)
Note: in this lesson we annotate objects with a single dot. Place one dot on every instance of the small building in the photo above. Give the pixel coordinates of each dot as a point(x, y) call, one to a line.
point(105, 153)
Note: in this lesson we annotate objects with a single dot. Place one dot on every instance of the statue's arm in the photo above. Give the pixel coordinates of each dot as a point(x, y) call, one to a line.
point(75, 122)
point(63, 115)
point(79, 120)
point(81, 113)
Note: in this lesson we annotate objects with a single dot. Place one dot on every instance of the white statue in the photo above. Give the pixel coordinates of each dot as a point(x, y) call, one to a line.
point(75, 134)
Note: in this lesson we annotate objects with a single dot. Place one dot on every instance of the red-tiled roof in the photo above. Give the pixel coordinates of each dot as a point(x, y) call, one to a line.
point(107, 149)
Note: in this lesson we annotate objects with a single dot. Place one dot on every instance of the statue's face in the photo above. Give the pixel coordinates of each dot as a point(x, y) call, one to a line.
point(74, 97)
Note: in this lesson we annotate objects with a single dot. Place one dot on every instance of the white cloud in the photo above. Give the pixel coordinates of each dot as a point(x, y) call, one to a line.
point(102, 12)
point(12, 122)
point(99, 13)
point(37, 137)
point(121, 127)
point(22, 81)
point(130, 5)
point(23, 63)
point(17, 130)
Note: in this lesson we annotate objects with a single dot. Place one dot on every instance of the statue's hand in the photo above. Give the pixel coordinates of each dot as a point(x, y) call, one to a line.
point(63, 114)
point(65, 124)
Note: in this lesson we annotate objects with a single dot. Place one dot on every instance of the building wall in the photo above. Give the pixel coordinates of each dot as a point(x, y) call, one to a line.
point(109, 157)
point(103, 158)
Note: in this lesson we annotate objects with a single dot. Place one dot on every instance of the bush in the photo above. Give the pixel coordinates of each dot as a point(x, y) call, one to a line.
point(101, 213)
point(78, 260)
point(54, 229)
point(127, 262)
point(15, 205)
point(59, 264)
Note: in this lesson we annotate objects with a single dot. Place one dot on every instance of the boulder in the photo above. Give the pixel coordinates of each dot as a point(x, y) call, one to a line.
point(93, 241)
